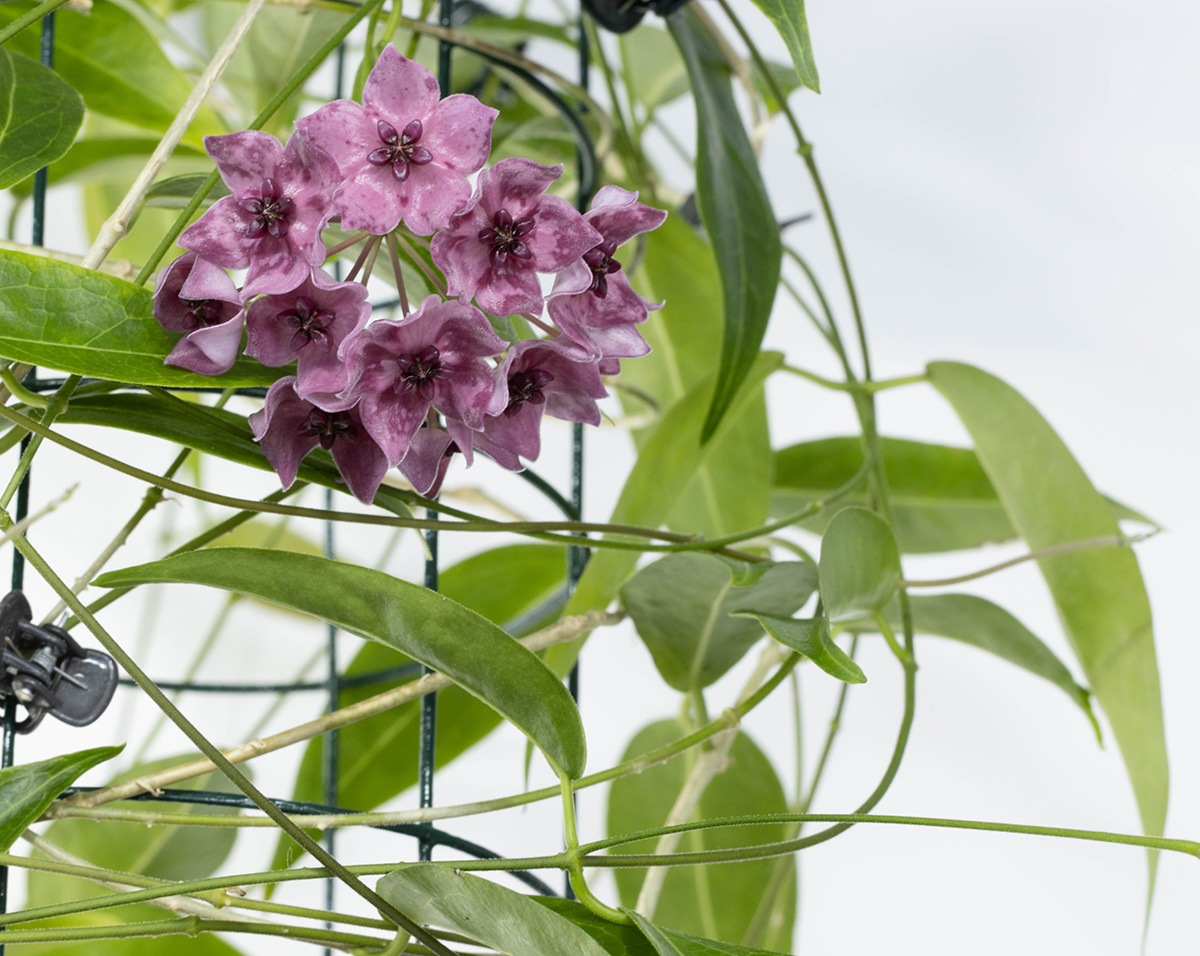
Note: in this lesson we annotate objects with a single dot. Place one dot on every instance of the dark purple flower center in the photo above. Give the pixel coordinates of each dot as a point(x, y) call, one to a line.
point(328, 427)
point(399, 150)
point(418, 369)
point(526, 387)
point(602, 264)
point(269, 213)
point(506, 237)
point(310, 322)
point(202, 312)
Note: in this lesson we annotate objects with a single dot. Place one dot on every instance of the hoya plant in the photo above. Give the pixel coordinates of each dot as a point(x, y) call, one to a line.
point(387, 290)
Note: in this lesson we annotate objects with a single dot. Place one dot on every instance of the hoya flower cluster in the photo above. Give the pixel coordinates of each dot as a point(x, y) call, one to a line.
point(407, 392)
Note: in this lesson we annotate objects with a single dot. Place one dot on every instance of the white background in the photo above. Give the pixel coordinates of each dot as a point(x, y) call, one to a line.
point(1016, 185)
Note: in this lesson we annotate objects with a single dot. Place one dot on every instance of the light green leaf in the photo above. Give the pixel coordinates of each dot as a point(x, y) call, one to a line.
point(811, 638)
point(64, 317)
point(655, 71)
point(681, 607)
point(39, 117)
point(666, 943)
point(788, 17)
point(110, 158)
point(1100, 595)
point(734, 208)
point(500, 918)
point(860, 566)
point(941, 497)
point(669, 459)
point(429, 627)
point(719, 901)
point(28, 789)
point(175, 192)
point(118, 66)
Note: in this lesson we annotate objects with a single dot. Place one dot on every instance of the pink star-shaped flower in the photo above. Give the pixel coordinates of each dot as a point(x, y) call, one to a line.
point(196, 296)
point(282, 199)
point(508, 233)
point(403, 154)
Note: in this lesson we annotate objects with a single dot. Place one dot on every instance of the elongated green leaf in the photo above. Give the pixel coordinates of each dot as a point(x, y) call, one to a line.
point(118, 66)
point(28, 789)
point(655, 71)
point(96, 158)
point(670, 459)
point(666, 943)
point(500, 918)
point(720, 901)
point(860, 566)
point(681, 607)
point(1100, 595)
point(175, 192)
point(980, 623)
point(941, 497)
point(213, 431)
point(84, 322)
point(788, 17)
point(812, 639)
point(429, 627)
point(734, 208)
point(39, 116)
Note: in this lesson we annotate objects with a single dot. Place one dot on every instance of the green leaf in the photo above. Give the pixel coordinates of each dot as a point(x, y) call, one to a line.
point(28, 789)
point(681, 607)
point(212, 431)
point(1100, 595)
point(429, 627)
point(980, 623)
point(941, 497)
point(500, 918)
point(670, 459)
point(87, 323)
point(788, 17)
point(720, 901)
point(109, 158)
point(860, 566)
point(39, 117)
point(654, 70)
point(118, 65)
point(734, 208)
point(175, 192)
point(811, 638)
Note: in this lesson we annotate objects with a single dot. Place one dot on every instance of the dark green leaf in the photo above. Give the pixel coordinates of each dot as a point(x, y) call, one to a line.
point(1100, 595)
point(429, 627)
point(720, 901)
point(64, 317)
point(210, 430)
point(670, 459)
point(812, 639)
point(734, 208)
point(500, 918)
point(39, 117)
point(28, 789)
point(788, 17)
point(681, 607)
point(118, 66)
point(860, 566)
point(941, 497)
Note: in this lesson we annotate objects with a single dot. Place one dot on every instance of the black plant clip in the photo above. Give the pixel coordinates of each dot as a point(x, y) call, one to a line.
point(46, 670)
point(621, 16)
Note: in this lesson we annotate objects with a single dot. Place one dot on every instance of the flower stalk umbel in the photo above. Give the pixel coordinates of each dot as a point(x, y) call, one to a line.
point(411, 392)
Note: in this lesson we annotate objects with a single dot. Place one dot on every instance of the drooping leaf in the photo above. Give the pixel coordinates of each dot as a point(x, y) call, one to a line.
point(213, 431)
point(429, 627)
point(681, 607)
point(670, 459)
point(719, 901)
point(788, 17)
point(1100, 595)
point(666, 943)
point(118, 65)
point(860, 566)
point(734, 208)
point(496, 916)
point(77, 320)
point(980, 623)
point(811, 638)
point(941, 497)
point(26, 790)
point(39, 116)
